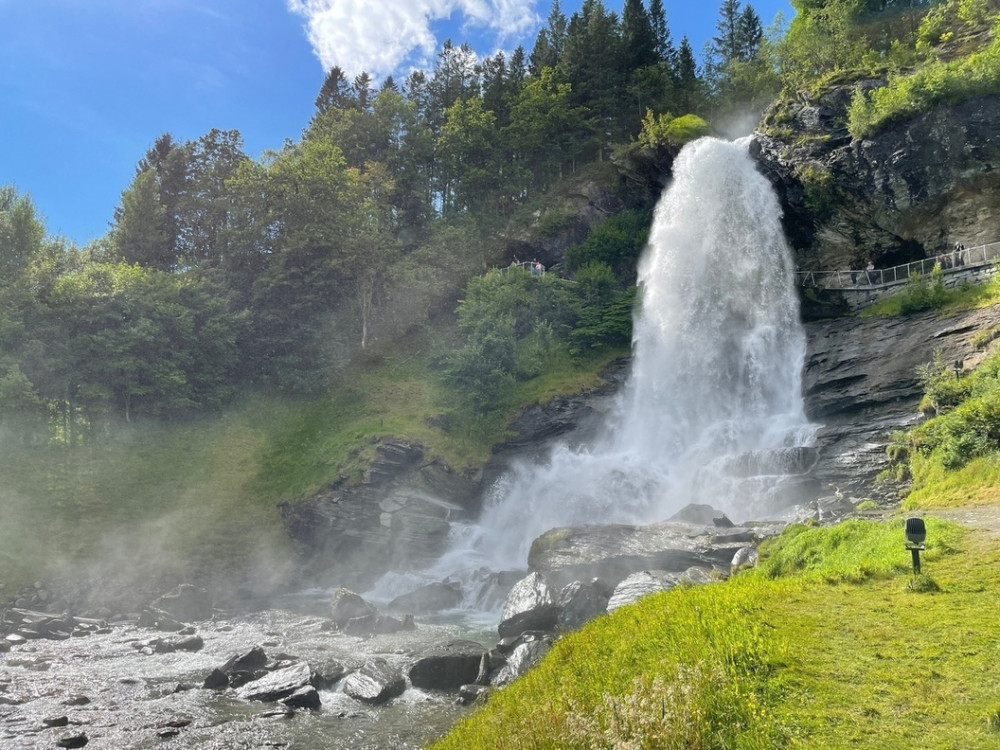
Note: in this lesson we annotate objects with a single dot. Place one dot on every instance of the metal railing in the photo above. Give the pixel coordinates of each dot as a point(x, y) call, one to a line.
point(955, 261)
point(531, 266)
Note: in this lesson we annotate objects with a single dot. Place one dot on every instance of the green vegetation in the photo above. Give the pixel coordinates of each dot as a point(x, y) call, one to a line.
point(829, 643)
point(928, 292)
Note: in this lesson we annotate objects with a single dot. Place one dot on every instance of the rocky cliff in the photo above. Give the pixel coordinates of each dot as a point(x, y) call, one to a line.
point(909, 191)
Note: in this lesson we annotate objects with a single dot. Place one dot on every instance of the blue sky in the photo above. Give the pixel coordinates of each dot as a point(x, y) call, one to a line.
point(86, 86)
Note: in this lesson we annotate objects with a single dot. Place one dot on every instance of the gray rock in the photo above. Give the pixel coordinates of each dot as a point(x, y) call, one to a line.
point(304, 697)
point(580, 602)
point(613, 552)
point(530, 605)
point(253, 659)
point(745, 557)
point(521, 659)
point(449, 667)
point(469, 694)
point(641, 584)
point(278, 684)
point(376, 682)
point(346, 606)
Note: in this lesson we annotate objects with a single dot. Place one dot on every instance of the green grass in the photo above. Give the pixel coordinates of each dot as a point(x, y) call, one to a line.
point(928, 293)
point(826, 645)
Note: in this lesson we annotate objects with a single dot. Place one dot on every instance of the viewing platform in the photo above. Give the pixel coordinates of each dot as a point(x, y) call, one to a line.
point(862, 287)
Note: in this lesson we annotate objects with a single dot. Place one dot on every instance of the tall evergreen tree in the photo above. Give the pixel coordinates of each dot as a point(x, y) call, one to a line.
point(639, 38)
point(749, 34)
point(335, 91)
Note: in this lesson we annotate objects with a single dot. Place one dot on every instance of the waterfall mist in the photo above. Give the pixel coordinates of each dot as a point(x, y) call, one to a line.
point(713, 410)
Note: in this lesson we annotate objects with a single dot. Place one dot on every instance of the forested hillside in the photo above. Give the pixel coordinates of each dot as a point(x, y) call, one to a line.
point(220, 273)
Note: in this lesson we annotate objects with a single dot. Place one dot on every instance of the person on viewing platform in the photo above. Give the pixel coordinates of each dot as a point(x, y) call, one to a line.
point(870, 268)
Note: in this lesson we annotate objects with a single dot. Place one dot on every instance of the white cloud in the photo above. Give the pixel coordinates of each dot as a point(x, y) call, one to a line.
point(384, 36)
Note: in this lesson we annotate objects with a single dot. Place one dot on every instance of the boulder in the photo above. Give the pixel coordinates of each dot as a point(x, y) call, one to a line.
point(469, 694)
point(346, 607)
point(580, 602)
point(524, 656)
point(278, 684)
point(530, 605)
point(449, 667)
point(376, 682)
point(641, 584)
point(304, 697)
point(255, 658)
point(613, 552)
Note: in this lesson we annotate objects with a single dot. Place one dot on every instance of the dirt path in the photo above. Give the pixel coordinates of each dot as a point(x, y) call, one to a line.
point(983, 519)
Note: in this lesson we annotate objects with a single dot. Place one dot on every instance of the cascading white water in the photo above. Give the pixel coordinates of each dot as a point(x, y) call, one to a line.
point(716, 379)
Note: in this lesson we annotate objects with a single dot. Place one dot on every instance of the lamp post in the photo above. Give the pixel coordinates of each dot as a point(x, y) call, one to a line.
point(916, 533)
point(959, 364)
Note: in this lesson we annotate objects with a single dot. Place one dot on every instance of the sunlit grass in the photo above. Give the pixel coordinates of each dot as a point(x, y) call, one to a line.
point(826, 649)
point(974, 484)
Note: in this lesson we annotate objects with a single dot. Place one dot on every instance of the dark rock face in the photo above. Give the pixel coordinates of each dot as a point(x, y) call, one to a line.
point(861, 384)
point(397, 517)
point(907, 192)
point(584, 207)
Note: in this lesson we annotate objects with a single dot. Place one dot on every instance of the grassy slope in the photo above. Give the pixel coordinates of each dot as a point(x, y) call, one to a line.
point(839, 655)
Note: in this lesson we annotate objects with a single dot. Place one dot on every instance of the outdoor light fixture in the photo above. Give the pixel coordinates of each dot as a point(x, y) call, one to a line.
point(959, 364)
point(916, 533)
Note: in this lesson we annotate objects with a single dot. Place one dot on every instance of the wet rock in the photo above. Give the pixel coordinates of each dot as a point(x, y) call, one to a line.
point(494, 588)
point(255, 658)
point(449, 667)
point(76, 700)
point(169, 645)
point(745, 557)
point(613, 552)
point(326, 675)
point(186, 602)
point(305, 697)
point(376, 682)
point(469, 694)
point(347, 607)
point(580, 602)
point(216, 680)
point(524, 656)
point(530, 605)
point(433, 597)
point(14, 639)
point(56, 721)
point(641, 584)
point(278, 684)
point(78, 739)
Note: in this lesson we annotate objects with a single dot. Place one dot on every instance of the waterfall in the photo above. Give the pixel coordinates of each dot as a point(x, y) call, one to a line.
point(713, 411)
